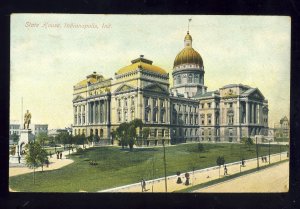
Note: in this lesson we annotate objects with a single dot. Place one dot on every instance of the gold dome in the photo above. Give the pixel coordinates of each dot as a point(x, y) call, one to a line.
point(141, 63)
point(188, 55)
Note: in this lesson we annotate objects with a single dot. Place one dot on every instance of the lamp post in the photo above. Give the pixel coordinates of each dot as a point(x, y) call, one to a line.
point(280, 151)
point(269, 153)
point(257, 152)
point(165, 165)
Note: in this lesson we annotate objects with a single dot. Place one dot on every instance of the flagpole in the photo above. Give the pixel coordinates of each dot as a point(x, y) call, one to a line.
point(21, 113)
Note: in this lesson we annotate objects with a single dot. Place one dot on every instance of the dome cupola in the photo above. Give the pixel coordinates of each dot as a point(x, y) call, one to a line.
point(188, 55)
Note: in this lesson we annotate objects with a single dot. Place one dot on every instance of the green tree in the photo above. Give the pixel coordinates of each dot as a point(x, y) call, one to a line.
point(122, 133)
point(64, 138)
point(127, 133)
point(42, 138)
point(35, 156)
point(146, 133)
point(220, 161)
point(248, 142)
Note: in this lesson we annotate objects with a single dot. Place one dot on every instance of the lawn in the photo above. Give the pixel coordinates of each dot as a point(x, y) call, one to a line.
point(118, 167)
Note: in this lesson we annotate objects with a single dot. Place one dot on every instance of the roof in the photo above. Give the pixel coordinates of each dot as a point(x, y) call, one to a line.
point(141, 63)
point(206, 94)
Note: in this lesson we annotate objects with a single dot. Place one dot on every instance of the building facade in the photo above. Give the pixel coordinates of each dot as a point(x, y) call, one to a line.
point(183, 112)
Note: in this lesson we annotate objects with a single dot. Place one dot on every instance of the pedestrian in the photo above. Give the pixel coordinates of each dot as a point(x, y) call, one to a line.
point(57, 155)
point(50, 154)
point(225, 170)
point(47, 163)
point(262, 159)
point(266, 159)
point(19, 159)
point(187, 178)
point(143, 184)
point(60, 155)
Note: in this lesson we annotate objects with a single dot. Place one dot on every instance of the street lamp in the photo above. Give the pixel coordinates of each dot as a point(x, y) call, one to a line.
point(257, 152)
point(269, 153)
point(165, 165)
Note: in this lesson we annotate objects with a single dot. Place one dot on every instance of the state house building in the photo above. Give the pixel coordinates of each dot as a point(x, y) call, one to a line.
point(183, 112)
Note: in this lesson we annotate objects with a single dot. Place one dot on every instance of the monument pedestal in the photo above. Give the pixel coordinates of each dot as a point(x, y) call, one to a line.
point(25, 137)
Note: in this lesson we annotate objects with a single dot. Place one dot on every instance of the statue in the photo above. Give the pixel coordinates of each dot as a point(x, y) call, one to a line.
point(27, 119)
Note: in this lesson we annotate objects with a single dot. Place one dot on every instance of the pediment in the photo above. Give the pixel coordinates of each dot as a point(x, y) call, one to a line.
point(257, 95)
point(77, 98)
point(156, 88)
point(124, 87)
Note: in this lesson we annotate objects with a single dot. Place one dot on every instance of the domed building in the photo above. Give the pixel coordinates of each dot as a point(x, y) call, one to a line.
point(180, 113)
point(188, 70)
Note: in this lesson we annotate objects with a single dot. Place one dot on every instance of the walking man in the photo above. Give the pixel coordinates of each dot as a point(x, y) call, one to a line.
point(61, 155)
point(225, 170)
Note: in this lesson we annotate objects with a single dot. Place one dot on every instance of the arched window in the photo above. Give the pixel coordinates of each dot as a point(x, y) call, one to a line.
point(178, 79)
point(101, 133)
point(190, 79)
point(125, 116)
point(119, 116)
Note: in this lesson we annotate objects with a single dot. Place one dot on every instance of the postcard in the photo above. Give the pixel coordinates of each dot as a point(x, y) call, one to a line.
point(149, 103)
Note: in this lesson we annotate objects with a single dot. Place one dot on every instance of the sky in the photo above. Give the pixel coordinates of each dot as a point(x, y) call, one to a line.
point(49, 55)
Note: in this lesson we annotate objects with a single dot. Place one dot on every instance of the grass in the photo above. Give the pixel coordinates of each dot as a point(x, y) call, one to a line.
point(117, 167)
point(226, 178)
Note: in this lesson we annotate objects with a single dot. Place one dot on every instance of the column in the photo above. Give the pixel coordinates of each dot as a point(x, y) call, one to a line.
point(87, 113)
point(159, 109)
point(252, 112)
point(81, 114)
point(151, 109)
point(261, 115)
point(105, 111)
point(247, 112)
point(238, 119)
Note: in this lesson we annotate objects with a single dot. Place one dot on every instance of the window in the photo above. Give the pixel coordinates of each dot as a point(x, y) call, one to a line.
point(230, 105)
point(196, 119)
point(209, 131)
point(132, 101)
point(119, 116)
point(217, 105)
point(186, 119)
point(202, 105)
point(174, 107)
point(119, 102)
point(146, 116)
point(190, 79)
point(178, 79)
point(202, 132)
point(162, 116)
point(209, 105)
point(125, 116)
point(146, 101)
point(191, 132)
point(155, 132)
point(209, 119)
point(191, 119)
point(184, 108)
point(125, 102)
point(132, 114)
point(154, 116)
point(202, 120)
point(179, 107)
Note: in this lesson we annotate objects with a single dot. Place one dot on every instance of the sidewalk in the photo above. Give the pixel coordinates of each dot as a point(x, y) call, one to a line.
point(199, 176)
point(54, 164)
